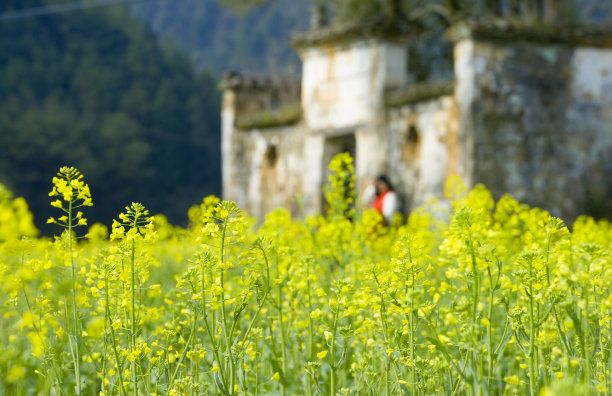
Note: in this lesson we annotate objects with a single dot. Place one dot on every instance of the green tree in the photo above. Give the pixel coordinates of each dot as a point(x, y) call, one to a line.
point(419, 11)
point(96, 90)
point(251, 36)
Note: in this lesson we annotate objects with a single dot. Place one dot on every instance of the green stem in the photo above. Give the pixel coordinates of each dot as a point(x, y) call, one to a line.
point(228, 349)
point(76, 356)
point(609, 360)
point(282, 329)
point(489, 333)
point(332, 363)
point(475, 356)
point(133, 315)
point(256, 368)
point(310, 327)
point(532, 336)
point(263, 300)
point(180, 361)
point(215, 346)
point(560, 332)
point(383, 319)
point(114, 344)
point(194, 369)
point(585, 332)
point(411, 334)
point(38, 332)
point(548, 241)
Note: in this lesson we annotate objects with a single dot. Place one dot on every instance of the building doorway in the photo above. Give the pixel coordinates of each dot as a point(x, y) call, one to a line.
point(345, 143)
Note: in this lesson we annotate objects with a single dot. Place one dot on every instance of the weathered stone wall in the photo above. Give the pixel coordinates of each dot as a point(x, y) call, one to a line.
point(593, 12)
point(343, 87)
point(343, 84)
point(255, 94)
point(258, 122)
point(267, 170)
point(529, 113)
point(355, 97)
point(422, 148)
point(536, 121)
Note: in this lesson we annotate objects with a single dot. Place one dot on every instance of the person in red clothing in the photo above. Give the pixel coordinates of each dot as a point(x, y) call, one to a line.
point(382, 198)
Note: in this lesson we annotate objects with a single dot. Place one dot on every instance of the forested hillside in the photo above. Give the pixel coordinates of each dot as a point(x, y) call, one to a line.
point(253, 36)
point(95, 90)
point(219, 38)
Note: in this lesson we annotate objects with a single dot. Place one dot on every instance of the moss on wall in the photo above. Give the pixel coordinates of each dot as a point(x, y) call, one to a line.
point(285, 115)
point(417, 93)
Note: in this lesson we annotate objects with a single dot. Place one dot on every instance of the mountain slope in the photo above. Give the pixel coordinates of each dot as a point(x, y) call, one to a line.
point(216, 38)
point(95, 90)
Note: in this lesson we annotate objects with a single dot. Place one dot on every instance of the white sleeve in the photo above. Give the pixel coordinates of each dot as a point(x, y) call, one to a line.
point(390, 206)
point(369, 195)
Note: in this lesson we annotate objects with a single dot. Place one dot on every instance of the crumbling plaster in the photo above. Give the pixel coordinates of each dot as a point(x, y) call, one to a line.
point(420, 164)
point(527, 114)
point(342, 85)
point(538, 118)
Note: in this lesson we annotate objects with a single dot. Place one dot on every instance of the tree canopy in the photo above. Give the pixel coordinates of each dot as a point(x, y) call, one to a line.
point(94, 89)
point(551, 11)
point(249, 36)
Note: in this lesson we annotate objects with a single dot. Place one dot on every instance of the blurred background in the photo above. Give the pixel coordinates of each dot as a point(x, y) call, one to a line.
point(126, 90)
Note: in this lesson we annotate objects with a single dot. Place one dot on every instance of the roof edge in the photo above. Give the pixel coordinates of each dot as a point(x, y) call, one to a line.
point(504, 30)
point(234, 80)
point(382, 28)
point(417, 93)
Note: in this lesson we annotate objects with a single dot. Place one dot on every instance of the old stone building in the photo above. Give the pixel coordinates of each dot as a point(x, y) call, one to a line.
point(524, 111)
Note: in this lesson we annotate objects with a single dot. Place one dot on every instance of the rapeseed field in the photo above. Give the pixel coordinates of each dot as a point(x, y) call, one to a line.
point(477, 297)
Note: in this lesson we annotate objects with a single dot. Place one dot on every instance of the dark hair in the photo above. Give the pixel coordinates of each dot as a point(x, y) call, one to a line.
point(385, 179)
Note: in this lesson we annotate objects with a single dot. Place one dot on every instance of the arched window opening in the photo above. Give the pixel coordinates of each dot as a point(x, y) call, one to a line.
point(271, 155)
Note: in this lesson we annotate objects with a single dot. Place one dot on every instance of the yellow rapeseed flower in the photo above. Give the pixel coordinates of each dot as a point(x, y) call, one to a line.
point(513, 380)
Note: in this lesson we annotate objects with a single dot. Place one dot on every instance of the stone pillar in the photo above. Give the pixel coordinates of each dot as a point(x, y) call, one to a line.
point(228, 117)
point(464, 64)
